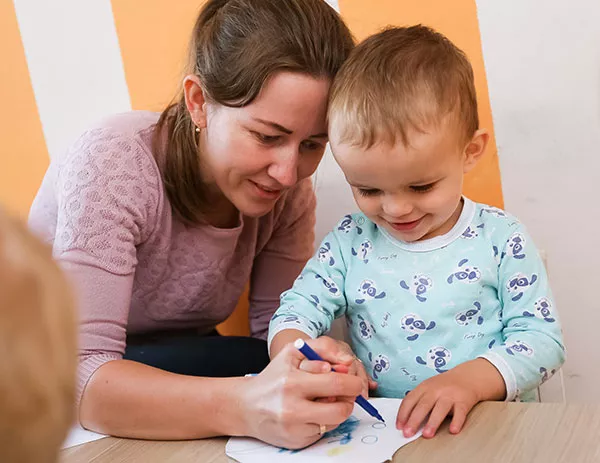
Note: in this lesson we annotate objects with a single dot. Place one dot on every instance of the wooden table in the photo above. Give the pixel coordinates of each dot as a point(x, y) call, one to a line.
point(502, 432)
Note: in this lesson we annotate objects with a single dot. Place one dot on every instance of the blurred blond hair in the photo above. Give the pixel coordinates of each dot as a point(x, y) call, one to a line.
point(37, 349)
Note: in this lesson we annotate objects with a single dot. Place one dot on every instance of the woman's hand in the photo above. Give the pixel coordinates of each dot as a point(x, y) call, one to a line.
point(281, 407)
point(454, 392)
point(339, 356)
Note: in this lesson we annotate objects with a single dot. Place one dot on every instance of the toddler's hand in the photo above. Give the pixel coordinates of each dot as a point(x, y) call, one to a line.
point(339, 356)
point(454, 392)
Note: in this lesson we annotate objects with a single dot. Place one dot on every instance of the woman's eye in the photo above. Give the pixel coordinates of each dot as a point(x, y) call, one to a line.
point(422, 188)
point(311, 145)
point(368, 191)
point(266, 139)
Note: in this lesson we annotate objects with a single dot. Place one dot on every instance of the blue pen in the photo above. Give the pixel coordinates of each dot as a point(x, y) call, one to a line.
point(360, 400)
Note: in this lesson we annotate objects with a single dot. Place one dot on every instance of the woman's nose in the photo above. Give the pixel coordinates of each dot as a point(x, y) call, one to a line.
point(284, 169)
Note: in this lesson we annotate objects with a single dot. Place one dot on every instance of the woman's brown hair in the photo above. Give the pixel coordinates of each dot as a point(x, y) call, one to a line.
point(236, 46)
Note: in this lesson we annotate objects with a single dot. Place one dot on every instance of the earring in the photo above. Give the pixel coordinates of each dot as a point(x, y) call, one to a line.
point(197, 129)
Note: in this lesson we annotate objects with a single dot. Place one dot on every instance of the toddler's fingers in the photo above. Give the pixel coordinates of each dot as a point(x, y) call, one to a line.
point(418, 415)
point(341, 368)
point(406, 407)
point(438, 415)
point(362, 374)
point(314, 366)
point(330, 350)
point(459, 418)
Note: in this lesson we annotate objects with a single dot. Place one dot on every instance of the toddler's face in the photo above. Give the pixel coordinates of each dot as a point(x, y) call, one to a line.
point(413, 192)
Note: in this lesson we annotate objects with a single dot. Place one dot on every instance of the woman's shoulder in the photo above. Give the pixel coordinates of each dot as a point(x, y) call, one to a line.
point(130, 123)
point(108, 179)
point(117, 132)
point(116, 147)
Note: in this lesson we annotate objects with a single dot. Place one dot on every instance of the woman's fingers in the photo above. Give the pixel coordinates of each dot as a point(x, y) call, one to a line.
point(327, 385)
point(330, 414)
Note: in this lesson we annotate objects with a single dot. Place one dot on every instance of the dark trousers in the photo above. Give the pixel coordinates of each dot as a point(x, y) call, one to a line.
point(188, 353)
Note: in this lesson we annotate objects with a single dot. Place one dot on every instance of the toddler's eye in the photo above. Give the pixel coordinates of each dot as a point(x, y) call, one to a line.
point(422, 188)
point(368, 191)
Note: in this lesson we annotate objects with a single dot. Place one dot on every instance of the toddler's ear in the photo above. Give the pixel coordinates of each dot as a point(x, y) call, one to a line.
point(475, 149)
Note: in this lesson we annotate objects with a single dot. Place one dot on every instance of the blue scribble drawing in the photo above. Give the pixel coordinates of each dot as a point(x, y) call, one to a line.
point(282, 450)
point(343, 433)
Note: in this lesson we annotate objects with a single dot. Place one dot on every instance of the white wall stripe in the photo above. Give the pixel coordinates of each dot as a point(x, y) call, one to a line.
point(543, 69)
point(334, 4)
point(75, 65)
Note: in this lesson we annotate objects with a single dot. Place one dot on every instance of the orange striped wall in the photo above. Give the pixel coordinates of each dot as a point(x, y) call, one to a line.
point(457, 19)
point(23, 152)
point(153, 39)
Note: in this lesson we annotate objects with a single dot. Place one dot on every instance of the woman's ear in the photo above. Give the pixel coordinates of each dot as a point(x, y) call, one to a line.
point(475, 149)
point(195, 100)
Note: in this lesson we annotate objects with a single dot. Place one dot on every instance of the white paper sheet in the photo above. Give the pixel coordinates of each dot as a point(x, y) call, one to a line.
point(78, 435)
point(361, 438)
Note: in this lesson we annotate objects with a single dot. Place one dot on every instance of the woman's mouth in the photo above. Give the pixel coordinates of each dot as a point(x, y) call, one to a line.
point(266, 192)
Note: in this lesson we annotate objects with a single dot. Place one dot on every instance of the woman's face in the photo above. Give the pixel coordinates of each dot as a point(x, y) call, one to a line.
point(251, 155)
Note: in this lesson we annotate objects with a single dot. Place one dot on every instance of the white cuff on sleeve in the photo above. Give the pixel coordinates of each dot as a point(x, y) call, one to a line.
point(285, 326)
point(507, 373)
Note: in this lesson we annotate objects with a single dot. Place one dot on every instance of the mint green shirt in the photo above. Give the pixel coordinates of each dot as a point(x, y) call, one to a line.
point(415, 310)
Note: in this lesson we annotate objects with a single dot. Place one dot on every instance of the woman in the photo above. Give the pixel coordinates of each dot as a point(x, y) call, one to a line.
point(161, 221)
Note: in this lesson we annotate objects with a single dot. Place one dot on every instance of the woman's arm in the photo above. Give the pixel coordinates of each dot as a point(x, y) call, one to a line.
point(127, 399)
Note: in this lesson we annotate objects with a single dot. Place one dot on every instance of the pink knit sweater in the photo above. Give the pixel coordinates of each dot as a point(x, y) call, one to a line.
point(135, 267)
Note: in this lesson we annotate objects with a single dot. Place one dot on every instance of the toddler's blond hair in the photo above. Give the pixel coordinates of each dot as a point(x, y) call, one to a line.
point(37, 349)
point(401, 79)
